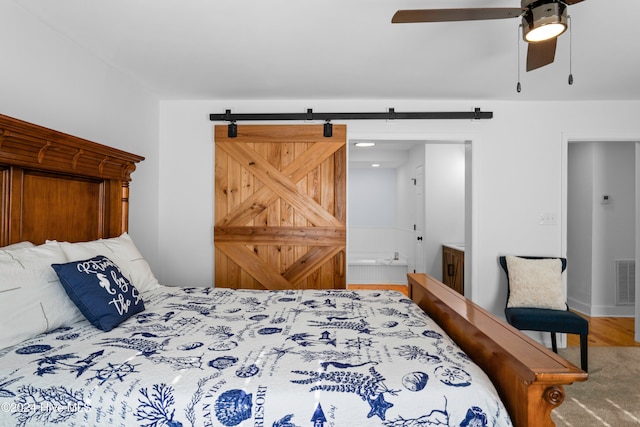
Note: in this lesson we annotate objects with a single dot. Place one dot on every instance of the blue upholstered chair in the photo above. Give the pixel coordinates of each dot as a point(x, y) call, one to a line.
point(546, 319)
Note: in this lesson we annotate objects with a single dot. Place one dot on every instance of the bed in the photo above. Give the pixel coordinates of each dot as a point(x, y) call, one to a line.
point(153, 355)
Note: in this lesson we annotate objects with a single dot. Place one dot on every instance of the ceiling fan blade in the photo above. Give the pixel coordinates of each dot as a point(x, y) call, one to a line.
point(445, 15)
point(541, 53)
point(570, 2)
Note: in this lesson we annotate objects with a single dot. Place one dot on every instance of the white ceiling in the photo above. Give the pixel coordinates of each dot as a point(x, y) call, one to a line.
point(344, 49)
point(386, 154)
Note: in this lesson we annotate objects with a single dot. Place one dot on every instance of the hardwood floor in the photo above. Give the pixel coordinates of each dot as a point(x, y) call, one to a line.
point(608, 331)
point(603, 331)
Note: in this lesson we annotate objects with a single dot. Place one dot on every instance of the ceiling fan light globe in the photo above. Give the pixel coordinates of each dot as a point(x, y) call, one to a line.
point(545, 32)
point(544, 20)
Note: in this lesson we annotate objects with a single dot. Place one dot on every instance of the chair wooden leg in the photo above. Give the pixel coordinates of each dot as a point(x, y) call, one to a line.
point(554, 343)
point(584, 348)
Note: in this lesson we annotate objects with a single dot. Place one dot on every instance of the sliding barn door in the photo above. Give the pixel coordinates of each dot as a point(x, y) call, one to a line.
point(280, 207)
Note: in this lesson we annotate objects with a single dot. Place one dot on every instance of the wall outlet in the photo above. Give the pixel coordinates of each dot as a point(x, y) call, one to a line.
point(547, 218)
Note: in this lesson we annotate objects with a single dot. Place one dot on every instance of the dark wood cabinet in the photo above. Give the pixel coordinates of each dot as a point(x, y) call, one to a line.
point(453, 268)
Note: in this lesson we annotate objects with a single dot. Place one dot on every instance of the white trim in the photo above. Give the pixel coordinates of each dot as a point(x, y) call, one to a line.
point(602, 310)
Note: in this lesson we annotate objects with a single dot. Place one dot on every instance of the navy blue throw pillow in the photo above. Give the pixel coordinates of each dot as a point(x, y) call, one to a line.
point(100, 291)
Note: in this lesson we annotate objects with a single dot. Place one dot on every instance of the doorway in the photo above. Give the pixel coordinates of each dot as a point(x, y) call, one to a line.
point(444, 213)
point(601, 227)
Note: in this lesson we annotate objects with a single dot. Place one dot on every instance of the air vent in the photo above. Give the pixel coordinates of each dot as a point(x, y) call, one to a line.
point(625, 282)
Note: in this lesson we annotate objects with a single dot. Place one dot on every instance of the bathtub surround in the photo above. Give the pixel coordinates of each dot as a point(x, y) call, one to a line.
point(369, 268)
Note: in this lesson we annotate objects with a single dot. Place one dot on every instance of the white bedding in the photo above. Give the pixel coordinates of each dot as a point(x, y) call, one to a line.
point(220, 357)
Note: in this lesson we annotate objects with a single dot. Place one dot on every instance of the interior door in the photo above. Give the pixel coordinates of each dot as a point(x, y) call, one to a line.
point(280, 207)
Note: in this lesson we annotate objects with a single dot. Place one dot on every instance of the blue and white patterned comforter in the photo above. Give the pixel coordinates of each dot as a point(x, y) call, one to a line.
point(221, 357)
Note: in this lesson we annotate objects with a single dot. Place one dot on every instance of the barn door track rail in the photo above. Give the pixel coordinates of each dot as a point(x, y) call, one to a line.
point(227, 116)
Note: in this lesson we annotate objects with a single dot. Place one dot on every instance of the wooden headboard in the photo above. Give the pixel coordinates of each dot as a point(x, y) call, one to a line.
point(57, 186)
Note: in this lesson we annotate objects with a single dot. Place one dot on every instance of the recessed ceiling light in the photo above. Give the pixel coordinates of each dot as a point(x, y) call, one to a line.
point(375, 165)
point(365, 144)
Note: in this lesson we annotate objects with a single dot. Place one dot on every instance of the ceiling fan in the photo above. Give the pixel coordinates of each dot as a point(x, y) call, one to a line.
point(542, 22)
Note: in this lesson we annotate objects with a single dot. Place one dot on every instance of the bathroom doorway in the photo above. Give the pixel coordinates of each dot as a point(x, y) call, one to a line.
point(385, 239)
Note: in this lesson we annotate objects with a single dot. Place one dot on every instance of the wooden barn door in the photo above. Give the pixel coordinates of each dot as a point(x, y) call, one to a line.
point(280, 207)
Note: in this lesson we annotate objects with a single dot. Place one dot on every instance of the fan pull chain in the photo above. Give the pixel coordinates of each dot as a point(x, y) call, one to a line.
point(518, 86)
point(570, 52)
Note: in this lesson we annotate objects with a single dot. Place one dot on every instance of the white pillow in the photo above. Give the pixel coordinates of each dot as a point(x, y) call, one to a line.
point(32, 299)
point(19, 245)
point(535, 283)
point(123, 252)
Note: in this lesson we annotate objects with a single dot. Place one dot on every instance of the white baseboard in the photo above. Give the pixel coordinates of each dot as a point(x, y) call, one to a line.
point(603, 310)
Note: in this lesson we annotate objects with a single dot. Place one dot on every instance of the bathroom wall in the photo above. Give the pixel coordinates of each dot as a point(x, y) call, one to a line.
point(371, 213)
point(444, 201)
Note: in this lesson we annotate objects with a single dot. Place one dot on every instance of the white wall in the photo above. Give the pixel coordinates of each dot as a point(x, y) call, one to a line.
point(614, 221)
point(579, 226)
point(444, 201)
point(186, 196)
point(371, 214)
point(48, 80)
point(517, 173)
point(373, 195)
point(517, 155)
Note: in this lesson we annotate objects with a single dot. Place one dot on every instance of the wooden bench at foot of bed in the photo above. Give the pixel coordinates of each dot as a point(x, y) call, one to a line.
point(529, 377)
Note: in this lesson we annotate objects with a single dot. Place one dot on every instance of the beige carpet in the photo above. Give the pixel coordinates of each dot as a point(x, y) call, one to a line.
point(611, 395)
